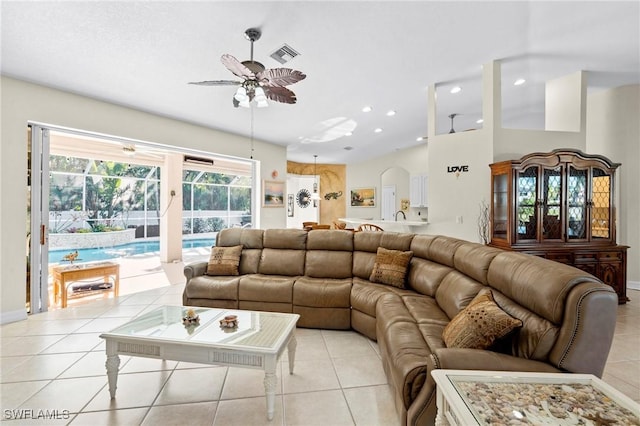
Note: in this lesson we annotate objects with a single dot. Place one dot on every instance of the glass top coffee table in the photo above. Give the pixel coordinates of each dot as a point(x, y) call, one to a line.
point(468, 397)
point(257, 341)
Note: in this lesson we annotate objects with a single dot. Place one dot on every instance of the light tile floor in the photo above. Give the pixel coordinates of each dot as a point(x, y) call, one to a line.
point(55, 361)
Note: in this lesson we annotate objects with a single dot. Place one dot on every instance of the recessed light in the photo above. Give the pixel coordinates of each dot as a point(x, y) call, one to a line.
point(348, 148)
point(367, 109)
point(456, 89)
point(519, 82)
point(420, 138)
point(378, 130)
point(348, 134)
point(391, 113)
point(479, 121)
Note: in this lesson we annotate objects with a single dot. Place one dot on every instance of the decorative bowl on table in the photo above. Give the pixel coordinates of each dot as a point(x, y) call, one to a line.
point(229, 321)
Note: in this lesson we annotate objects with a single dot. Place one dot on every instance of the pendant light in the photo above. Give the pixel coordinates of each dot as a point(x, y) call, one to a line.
point(452, 116)
point(315, 196)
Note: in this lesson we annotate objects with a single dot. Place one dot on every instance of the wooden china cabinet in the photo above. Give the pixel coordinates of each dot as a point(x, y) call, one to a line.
point(560, 206)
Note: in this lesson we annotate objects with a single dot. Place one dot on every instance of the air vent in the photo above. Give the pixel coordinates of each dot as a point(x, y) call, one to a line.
point(284, 54)
point(198, 160)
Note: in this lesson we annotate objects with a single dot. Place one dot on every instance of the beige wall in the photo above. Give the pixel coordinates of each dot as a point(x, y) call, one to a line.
point(613, 130)
point(23, 102)
point(369, 174)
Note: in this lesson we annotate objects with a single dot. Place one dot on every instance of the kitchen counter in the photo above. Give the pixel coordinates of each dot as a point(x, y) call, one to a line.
point(412, 226)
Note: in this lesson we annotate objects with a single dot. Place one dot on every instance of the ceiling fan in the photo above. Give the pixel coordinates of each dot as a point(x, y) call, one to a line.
point(258, 83)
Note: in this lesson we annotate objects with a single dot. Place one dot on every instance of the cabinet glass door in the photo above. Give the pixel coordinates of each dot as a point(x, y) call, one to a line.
point(552, 204)
point(500, 206)
point(600, 205)
point(577, 204)
point(526, 204)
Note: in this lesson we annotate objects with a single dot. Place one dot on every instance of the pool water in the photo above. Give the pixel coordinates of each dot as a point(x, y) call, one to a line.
point(125, 250)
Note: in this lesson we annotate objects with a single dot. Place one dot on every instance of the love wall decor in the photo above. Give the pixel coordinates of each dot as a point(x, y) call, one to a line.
point(457, 170)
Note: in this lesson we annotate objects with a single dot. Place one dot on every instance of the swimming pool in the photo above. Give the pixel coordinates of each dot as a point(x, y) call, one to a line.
point(125, 250)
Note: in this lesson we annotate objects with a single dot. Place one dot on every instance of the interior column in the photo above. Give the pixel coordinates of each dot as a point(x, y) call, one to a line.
point(171, 208)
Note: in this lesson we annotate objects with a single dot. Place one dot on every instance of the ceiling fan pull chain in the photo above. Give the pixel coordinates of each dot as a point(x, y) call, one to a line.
point(251, 153)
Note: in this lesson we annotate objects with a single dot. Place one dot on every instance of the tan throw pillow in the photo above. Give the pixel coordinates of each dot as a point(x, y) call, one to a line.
point(391, 267)
point(224, 260)
point(479, 324)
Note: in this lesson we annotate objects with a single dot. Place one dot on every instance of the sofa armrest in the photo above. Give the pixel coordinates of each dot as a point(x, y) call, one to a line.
point(195, 269)
point(476, 359)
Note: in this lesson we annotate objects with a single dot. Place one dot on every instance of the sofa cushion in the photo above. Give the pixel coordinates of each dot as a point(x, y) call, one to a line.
point(479, 324)
point(456, 291)
point(473, 259)
point(224, 260)
point(282, 262)
point(443, 250)
point(266, 288)
point(363, 263)
point(328, 264)
point(426, 276)
point(250, 261)
point(365, 295)
point(248, 238)
point(295, 239)
point(215, 288)
point(391, 267)
point(322, 292)
point(536, 337)
point(331, 240)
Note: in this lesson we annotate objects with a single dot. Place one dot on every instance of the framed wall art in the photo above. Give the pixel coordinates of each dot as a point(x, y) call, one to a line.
point(363, 197)
point(290, 204)
point(273, 193)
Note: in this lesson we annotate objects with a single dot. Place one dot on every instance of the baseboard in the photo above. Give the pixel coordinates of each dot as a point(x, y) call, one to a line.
point(634, 285)
point(13, 316)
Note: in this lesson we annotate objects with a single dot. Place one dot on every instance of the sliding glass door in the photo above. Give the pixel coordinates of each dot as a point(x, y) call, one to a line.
point(37, 219)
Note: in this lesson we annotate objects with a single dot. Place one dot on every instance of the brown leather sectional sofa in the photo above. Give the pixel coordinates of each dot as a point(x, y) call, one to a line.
point(568, 315)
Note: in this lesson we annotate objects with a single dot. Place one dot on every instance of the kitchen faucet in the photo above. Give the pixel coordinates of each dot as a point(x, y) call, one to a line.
point(403, 215)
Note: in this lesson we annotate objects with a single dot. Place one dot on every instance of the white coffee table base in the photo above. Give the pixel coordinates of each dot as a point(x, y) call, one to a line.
point(198, 352)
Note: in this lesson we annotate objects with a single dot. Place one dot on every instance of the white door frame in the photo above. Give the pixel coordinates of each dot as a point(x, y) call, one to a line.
point(39, 248)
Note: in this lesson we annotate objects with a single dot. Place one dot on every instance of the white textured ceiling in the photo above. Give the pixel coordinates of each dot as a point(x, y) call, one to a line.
point(383, 54)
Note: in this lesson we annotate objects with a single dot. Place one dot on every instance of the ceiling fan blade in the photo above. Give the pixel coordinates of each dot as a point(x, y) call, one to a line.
point(280, 94)
point(236, 67)
point(280, 76)
point(217, 83)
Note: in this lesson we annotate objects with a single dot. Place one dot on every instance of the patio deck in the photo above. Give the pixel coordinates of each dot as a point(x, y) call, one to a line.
point(139, 273)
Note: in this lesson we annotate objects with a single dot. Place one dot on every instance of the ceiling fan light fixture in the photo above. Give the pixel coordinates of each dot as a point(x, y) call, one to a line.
point(260, 97)
point(241, 94)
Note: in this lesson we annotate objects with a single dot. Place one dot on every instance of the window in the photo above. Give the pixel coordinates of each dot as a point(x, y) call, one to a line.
point(213, 201)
